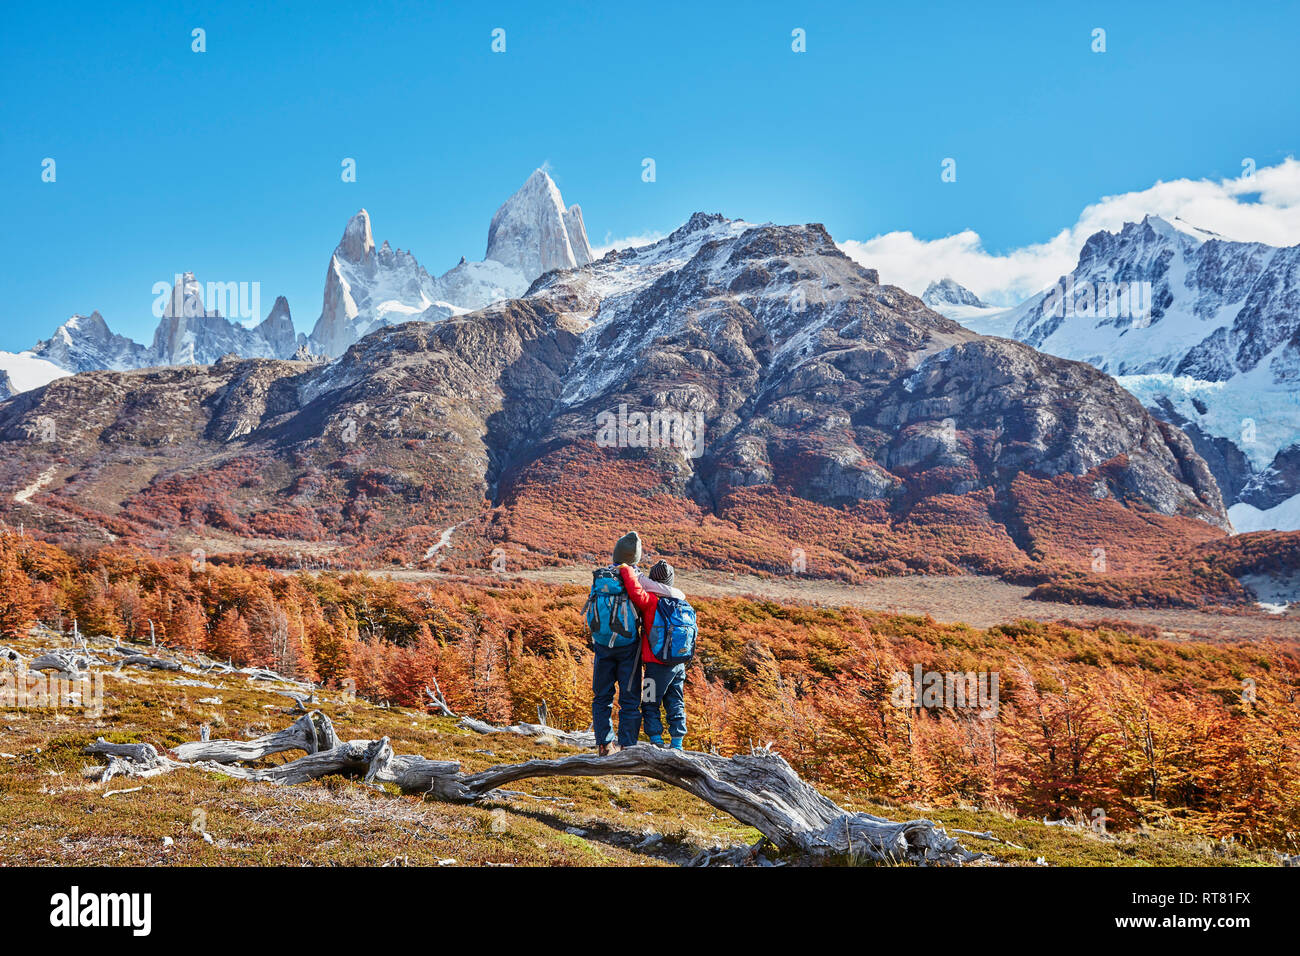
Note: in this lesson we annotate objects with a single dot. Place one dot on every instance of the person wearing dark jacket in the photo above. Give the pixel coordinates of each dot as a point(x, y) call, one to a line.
point(664, 684)
point(617, 668)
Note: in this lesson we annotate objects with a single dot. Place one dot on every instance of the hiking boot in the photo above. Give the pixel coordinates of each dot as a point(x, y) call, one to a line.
point(604, 750)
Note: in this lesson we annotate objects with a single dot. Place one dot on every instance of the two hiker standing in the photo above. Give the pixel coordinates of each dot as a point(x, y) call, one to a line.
point(643, 633)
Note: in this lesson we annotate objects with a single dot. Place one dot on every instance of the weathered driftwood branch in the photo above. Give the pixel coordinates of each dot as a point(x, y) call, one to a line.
point(439, 701)
point(312, 733)
point(543, 728)
point(372, 758)
point(262, 673)
point(759, 789)
point(580, 738)
point(300, 701)
point(155, 663)
point(74, 663)
point(130, 760)
point(67, 662)
point(209, 666)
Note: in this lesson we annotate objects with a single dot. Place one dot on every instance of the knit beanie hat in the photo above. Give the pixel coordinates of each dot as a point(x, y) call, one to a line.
point(662, 572)
point(627, 550)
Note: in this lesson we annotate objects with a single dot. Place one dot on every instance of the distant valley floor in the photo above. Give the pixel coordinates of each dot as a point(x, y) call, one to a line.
point(974, 600)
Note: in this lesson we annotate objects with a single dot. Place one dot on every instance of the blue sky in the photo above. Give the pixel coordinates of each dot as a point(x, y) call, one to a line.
point(227, 163)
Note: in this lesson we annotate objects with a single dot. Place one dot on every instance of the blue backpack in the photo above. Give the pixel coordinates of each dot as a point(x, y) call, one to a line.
point(612, 618)
point(673, 633)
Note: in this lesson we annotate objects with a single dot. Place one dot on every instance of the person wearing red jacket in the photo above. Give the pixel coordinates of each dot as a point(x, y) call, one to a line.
point(664, 684)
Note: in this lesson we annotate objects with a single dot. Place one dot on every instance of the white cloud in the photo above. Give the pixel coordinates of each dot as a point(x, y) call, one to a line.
point(1263, 208)
point(627, 242)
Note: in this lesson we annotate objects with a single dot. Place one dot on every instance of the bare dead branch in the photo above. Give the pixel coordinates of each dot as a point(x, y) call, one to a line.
point(582, 738)
point(311, 733)
point(759, 789)
point(143, 660)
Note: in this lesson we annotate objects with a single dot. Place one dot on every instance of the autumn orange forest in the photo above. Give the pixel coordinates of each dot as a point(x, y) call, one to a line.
point(1161, 733)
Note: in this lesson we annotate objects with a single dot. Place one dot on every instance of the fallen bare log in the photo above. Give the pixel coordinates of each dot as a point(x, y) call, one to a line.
point(217, 667)
point(300, 701)
point(758, 789)
point(312, 733)
point(131, 760)
point(252, 673)
point(372, 758)
point(262, 673)
point(67, 662)
point(11, 656)
point(154, 663)
point(581, 738)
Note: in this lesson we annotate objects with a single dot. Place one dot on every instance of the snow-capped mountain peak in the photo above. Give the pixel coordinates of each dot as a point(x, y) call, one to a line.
point(948, 291)
point(577, 230)
point(367, 286)
point(1203, 329)
point(1176, 226)
point(191, 333)
point(277, 329)
point(534, 232)
point(367, 289)
point(187, 299)
point(357, 244)
point(85, 342)
point(188, 333)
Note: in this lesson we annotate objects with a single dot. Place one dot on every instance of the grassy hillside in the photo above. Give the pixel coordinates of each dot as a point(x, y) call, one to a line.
point(53, 811)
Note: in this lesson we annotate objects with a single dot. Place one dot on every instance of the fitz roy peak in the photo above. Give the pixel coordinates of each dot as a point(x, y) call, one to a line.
point(368, 288)
point(533, 233)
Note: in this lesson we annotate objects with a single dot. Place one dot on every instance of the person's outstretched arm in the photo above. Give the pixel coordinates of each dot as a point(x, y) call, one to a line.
point(656, 587)
point(641, 598)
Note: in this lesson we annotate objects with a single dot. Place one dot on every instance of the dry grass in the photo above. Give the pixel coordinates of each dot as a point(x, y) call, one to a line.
point(53, 813)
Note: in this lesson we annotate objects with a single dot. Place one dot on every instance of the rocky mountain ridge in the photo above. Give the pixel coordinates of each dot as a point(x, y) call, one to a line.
point(819, 395)
point(1204, 330)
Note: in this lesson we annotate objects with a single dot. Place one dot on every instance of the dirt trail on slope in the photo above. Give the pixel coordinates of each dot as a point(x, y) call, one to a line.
point(45, 477)
point(977, 601)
